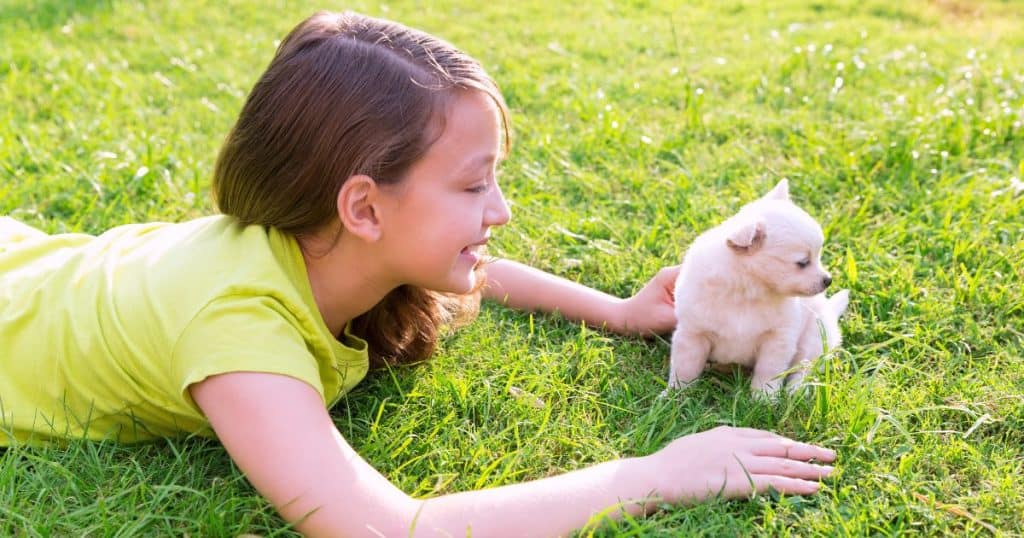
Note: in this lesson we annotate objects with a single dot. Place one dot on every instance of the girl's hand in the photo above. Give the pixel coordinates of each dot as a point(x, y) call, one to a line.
point(736, 462)
point(652, 310)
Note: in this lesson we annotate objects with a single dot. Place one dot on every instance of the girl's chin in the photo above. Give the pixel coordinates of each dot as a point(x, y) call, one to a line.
point(464, 284)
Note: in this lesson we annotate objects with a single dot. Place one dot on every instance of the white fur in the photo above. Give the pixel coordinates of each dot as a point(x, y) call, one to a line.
point(741, 297)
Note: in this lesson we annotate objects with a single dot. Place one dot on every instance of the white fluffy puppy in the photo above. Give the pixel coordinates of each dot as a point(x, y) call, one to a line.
point(751, 292)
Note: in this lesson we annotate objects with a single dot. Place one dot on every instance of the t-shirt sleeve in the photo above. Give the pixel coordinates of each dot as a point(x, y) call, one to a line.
point(241, 334)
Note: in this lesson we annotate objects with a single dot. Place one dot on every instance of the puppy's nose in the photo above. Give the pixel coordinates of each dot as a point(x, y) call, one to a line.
point(826, 282)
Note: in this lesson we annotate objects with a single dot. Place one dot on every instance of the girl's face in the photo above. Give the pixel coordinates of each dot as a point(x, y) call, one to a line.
point(437, 219)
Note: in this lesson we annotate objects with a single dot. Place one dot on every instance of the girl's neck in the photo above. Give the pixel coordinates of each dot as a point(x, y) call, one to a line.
point(346, 282)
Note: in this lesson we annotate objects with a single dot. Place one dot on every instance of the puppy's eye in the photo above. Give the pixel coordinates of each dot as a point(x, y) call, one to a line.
point(803, 264)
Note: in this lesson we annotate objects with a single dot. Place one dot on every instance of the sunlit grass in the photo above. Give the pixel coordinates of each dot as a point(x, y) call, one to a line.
point(637, 125)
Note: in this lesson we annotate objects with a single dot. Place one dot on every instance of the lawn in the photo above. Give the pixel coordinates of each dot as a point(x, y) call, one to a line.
point(637, 125)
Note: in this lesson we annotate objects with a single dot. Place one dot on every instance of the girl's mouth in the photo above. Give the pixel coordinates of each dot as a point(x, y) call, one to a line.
point(472, 252)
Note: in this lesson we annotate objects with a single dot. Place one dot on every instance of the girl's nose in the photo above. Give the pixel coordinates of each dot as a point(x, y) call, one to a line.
point(497, 212)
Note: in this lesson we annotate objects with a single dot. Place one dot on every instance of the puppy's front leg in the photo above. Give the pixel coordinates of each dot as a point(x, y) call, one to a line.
point(773, 358)
point(689, 354)
point(808, 348)
point(801, 363)
point(796, 377)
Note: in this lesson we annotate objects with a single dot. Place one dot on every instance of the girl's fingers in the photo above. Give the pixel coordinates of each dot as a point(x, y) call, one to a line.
point(782, 484)
point(766, 465)
point(787, 448)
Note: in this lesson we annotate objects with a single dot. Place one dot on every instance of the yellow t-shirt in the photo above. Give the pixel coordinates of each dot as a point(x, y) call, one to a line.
point(100, 337)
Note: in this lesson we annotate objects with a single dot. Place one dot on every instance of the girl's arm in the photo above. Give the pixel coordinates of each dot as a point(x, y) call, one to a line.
point(278, 433)
point(650, 311)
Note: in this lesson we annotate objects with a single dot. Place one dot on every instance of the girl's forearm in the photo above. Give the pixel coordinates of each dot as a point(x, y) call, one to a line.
point(553, 506)
point(526, 288)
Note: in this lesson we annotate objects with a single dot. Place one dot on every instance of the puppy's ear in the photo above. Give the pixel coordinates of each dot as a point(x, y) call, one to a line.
point(780, 192)
point(747, 236)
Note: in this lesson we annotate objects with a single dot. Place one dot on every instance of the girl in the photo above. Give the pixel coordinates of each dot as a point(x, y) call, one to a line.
point(358, 192)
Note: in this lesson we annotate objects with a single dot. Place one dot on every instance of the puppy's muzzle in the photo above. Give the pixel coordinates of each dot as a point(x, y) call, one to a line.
point(826, 282)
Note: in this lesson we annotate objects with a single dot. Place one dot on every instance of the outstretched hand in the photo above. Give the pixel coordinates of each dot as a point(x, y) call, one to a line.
point(652, 310)
point(736, 462)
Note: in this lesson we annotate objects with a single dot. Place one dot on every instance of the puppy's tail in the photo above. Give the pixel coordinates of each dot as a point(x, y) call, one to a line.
point(836, 306)
point(838, 302)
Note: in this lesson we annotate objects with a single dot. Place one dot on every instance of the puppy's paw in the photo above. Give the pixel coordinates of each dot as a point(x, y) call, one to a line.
point(797, 388)
point(768, 393)
point(673, 390)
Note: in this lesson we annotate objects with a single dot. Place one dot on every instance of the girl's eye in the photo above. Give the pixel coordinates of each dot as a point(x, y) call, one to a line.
point(803, 264)
point(479, 189)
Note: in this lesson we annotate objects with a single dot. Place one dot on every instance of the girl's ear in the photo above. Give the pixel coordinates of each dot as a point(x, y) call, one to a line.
point(356, 209)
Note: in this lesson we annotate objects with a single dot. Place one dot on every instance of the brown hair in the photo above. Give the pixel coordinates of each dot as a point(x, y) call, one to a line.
point(347, 94)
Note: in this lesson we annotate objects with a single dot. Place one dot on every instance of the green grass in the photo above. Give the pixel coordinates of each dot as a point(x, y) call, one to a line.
point(637, 125)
